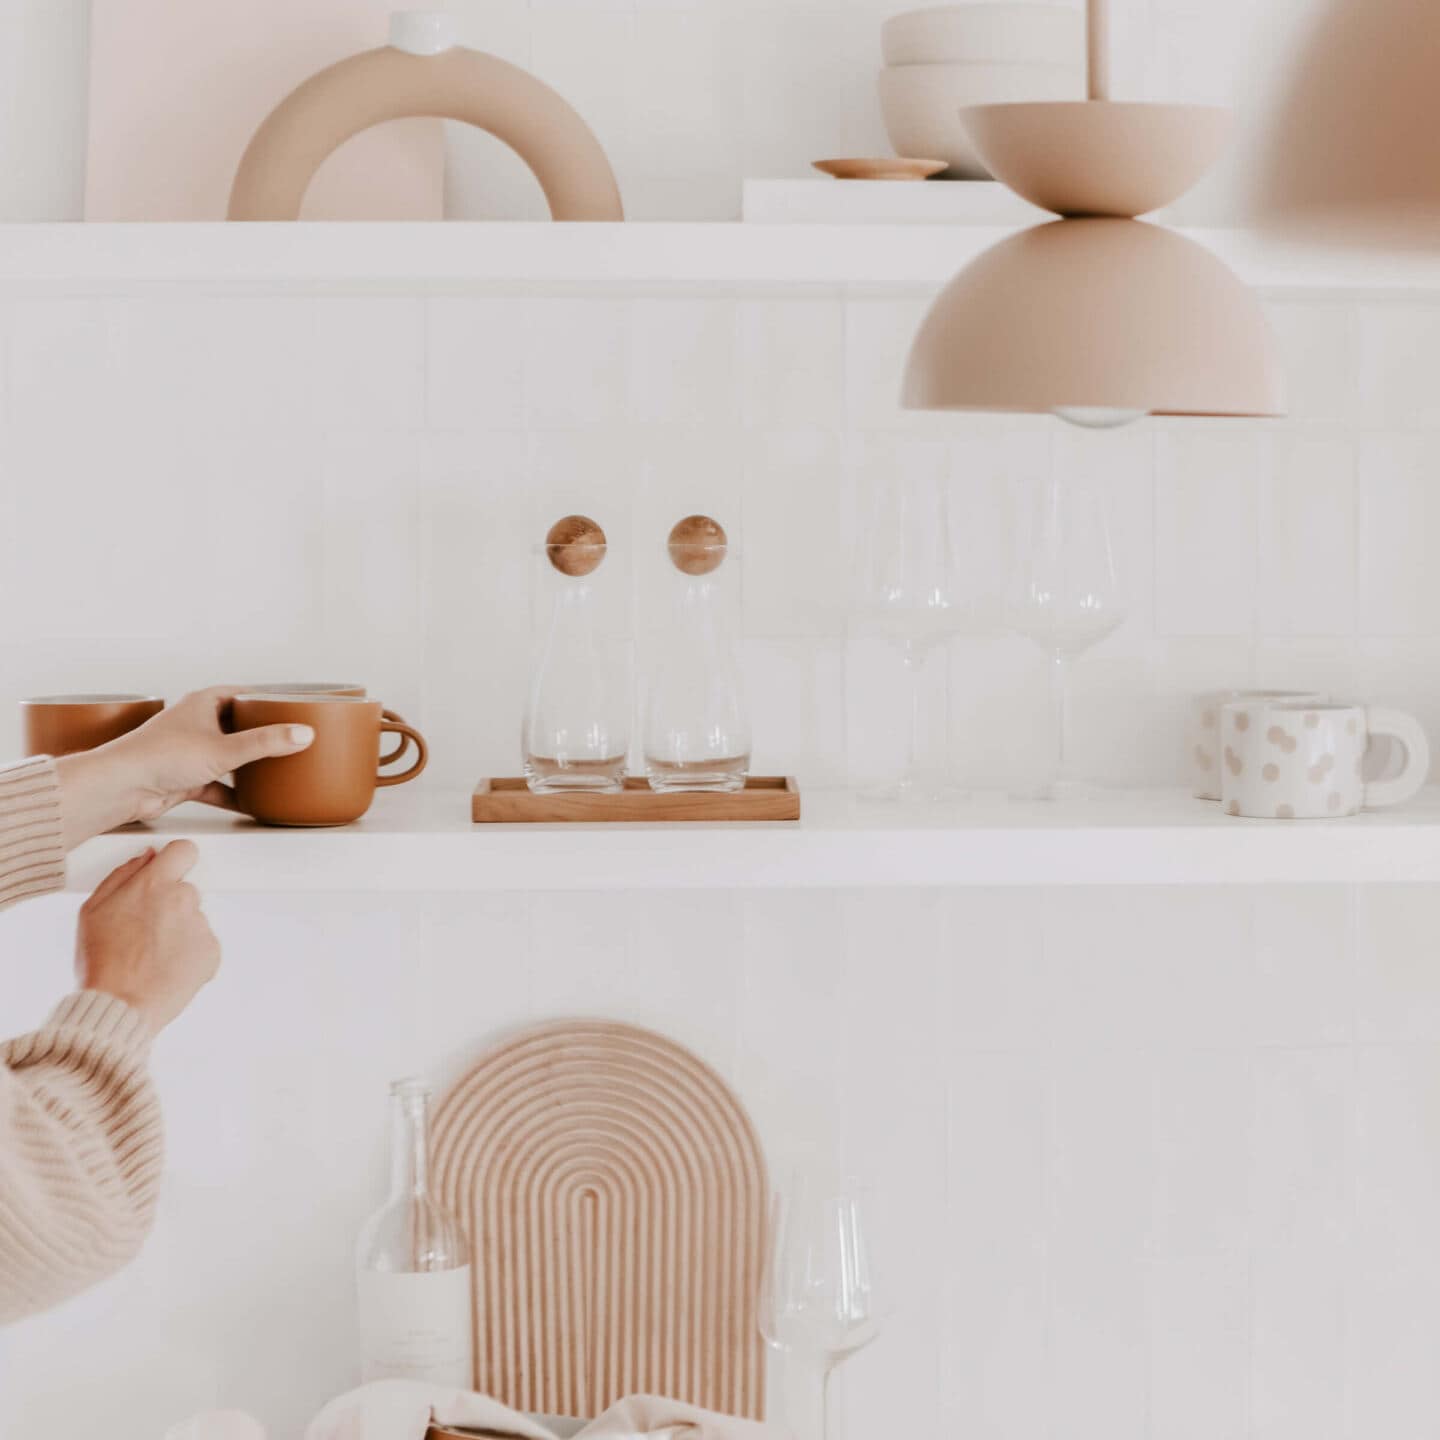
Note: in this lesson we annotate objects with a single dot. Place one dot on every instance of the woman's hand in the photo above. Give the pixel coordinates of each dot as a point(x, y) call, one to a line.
point(184, 753)
point(143, 937)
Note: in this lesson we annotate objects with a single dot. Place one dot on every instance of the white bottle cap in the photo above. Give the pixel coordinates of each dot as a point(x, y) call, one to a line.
point(422, 32)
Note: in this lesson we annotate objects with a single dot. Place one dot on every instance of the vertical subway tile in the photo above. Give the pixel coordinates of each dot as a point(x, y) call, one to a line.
point(1318, 345)
point(1299, 1353)
point(1206, 512)
point(1304, 965)
point(1397, 991)
point(1196, 1316)
point(1399, 529)
point(682, 366)
point(369, 363)
point(1399, 353)
point(1300, 1157)
point(797, 576)
point(475, 362)
point(1308, 539)
point(792, 361)
point(576, 352)
point(1097, 1350)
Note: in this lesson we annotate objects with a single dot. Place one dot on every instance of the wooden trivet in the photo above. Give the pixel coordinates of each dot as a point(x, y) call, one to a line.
point(613, 1190)
point(509, 800)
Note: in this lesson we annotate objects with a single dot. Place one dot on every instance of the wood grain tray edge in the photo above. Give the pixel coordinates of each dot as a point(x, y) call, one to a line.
point(508, 800)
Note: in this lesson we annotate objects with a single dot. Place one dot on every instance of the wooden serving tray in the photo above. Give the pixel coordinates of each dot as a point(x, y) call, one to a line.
point(508, 800)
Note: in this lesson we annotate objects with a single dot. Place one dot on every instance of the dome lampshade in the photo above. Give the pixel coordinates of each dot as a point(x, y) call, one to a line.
point(1095, 317)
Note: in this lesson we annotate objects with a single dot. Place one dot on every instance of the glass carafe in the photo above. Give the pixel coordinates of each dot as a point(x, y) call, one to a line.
point(697, 731)
point(577, 723)
point(413, 1265)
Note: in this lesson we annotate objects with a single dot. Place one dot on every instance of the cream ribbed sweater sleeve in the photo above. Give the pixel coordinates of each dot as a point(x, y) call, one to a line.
point(80, 1151)
point(32, 857)
point(80, 1139)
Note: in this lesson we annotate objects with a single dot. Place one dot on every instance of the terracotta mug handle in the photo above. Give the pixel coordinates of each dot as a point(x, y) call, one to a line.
point(412, 735)
point(400, 749)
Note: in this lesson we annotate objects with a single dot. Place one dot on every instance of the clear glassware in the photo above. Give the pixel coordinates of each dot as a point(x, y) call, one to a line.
point(577, 723)
point(909, 591)
point(697, 730)
point(413, 1265)
point(817, 1302)
point(1065, 594)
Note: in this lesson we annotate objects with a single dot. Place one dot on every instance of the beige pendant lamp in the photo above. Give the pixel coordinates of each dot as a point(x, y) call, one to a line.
point(1354, 156)
point(1099, 318)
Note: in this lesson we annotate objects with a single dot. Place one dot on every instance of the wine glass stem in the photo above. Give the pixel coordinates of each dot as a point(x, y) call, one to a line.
point(1060, 701)
point(914, 666)
point(825, 1375)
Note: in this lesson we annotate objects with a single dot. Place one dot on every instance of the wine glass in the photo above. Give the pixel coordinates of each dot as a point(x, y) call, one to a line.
point(908, 584)
point(816, 1300)
point(1065, 592)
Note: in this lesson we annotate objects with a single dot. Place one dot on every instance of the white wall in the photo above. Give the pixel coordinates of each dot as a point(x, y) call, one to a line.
point(272, 487)
point(1158, 1163)
point(1145, 1163)
point(691, 96)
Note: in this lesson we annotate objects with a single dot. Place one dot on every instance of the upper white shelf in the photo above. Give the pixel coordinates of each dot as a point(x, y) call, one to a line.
point(425, 843)
point(540, 258)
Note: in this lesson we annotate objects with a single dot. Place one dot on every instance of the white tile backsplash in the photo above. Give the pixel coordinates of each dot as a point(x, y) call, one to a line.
point(1155, 1163)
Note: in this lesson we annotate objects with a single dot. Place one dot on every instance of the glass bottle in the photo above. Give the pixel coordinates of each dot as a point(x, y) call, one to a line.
point(697, 732)
point(413, 1265)
point(577, 724)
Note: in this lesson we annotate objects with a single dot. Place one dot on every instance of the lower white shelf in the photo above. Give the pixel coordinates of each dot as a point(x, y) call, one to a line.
point(425, 843)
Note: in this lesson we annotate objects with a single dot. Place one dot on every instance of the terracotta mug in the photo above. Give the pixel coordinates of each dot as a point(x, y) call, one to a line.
point(63, 724)
point(336, 687)
point(334, 780)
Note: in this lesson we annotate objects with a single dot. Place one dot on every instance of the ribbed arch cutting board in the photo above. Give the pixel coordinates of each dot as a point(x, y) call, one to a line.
point(614, 1193)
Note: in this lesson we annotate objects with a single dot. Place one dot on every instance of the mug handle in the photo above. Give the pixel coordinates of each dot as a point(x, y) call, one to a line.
point(1397, 725)
point(411, 735)
point(404, 744)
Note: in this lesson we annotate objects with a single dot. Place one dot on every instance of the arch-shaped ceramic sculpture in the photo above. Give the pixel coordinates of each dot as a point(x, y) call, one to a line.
point(614, 1193)
point(315, 119)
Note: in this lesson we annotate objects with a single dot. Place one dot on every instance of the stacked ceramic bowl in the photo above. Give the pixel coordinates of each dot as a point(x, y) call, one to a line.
point(939, 60)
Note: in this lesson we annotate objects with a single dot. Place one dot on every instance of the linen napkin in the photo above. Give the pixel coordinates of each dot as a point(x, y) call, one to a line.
point(404, 1410)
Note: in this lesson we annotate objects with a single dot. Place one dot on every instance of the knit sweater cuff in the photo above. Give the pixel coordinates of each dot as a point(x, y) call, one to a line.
point(32, 852)
point(107, 1019)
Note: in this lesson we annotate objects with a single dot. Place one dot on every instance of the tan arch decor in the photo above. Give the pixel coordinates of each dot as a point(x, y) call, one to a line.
point(614, 1193)
point(315, 119)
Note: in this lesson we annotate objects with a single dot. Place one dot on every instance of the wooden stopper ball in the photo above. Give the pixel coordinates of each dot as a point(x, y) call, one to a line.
point(698, 544)
point(575, 545)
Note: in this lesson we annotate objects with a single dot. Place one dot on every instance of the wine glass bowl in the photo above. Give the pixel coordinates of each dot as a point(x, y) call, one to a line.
point(1065, 592)
point(908, 583)
point(817, 1301)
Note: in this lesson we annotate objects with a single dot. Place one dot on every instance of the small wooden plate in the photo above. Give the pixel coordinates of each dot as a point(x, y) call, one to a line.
point(509, 800)
point(883, 168)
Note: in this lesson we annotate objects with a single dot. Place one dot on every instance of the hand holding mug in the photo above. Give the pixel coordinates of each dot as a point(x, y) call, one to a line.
point(183, 753)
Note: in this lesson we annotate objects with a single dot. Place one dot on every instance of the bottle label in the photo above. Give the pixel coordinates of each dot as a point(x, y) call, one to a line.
point(416, 1327)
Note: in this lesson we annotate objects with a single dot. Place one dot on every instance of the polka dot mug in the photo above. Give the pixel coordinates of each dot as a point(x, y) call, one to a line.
point(1282, 760)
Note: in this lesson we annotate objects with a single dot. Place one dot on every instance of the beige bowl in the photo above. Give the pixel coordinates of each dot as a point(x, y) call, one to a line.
point(1014, 33)
point(922, 103)
point(1097, 157)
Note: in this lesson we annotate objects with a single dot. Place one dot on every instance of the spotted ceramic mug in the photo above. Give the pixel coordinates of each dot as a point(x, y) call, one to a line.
point(1203, 750)
point(1287, 761)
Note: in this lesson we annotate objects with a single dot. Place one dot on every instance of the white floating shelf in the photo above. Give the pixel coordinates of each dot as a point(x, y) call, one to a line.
point(425, 843)
point(467, 258)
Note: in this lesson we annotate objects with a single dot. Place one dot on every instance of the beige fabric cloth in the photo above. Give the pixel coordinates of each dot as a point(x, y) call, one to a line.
point(402, 1410)
point(80, 1138)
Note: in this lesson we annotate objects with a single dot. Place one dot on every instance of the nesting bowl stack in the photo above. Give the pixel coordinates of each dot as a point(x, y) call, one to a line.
point(939, 60)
